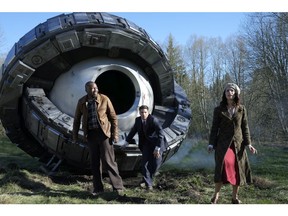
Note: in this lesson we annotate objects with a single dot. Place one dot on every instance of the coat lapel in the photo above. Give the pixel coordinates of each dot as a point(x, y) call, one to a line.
point(238, 111)
point(225, 112)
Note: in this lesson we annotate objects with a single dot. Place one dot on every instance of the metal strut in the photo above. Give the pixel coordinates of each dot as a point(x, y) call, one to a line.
point(51, 166)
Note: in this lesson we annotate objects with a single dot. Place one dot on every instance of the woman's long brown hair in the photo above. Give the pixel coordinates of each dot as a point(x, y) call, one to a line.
point(224, 99)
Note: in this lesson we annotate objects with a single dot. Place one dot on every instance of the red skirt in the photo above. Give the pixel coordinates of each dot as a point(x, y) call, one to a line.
point(230, 172)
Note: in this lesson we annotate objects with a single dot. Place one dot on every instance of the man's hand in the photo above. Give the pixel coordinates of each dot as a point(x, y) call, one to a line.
point(156, 153)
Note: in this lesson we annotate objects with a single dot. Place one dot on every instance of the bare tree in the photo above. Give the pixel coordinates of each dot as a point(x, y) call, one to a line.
point(2, 54)
point(197, 61)
point(218, 72)
point(237, 67)
point(267, 35)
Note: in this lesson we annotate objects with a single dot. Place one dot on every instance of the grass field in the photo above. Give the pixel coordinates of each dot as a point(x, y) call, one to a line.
point(187, 178)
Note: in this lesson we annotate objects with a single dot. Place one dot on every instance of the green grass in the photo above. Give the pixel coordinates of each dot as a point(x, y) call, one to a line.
point(187, 178)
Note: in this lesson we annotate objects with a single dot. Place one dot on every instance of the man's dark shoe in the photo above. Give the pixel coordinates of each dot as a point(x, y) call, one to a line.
point(236, 201)
point(97, 193)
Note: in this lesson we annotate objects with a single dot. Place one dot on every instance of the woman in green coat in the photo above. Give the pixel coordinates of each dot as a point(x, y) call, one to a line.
point(228, 137)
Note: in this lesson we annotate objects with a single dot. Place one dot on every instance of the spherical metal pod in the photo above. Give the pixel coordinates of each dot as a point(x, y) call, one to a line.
point(43, 77)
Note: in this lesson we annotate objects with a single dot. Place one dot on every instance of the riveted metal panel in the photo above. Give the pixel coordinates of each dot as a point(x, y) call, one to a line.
point(27, 39)
point(41, 54)
point(81, 18)
point(51, 138)
point(68, 41)
point(96, 37)
point(65, 122)
point(20, 73)
point(32, 122)
point(150, 54)
point(124, 40)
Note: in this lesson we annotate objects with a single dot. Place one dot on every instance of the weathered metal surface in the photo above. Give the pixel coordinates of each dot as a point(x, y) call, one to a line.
point(43, 77)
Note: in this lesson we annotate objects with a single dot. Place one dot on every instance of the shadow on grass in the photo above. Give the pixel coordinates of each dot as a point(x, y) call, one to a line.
point(70, 179)
point(113, 196)
point(84, 195)
point(13, 175)
point(129, 183)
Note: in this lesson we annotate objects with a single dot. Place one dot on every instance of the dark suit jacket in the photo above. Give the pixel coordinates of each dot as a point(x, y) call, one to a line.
point(152, 134)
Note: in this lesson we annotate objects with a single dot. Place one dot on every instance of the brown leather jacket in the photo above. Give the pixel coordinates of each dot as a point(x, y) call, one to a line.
point(106, 113)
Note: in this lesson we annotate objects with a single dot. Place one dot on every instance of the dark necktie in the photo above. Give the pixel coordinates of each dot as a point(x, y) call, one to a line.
point(144, 124)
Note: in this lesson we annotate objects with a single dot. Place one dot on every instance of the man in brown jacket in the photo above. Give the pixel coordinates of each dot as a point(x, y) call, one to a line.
point(100, 127)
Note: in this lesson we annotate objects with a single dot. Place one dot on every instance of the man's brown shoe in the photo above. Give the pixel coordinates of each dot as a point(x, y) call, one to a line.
point(120, 192)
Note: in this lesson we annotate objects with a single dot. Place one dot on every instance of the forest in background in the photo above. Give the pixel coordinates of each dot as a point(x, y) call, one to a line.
point(255, 58)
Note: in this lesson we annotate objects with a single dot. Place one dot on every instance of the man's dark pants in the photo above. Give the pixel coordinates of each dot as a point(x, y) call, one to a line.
point(150, 164)
point(101, 149)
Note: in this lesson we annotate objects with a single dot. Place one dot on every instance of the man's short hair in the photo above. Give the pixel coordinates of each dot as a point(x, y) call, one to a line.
point(89, 83)
point(143, 107)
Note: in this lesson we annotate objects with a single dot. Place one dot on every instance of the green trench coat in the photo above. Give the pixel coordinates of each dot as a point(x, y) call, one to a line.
point(226, 130)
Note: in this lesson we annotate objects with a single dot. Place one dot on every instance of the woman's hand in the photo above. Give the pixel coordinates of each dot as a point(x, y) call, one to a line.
point(210, 148)
point(252, 149)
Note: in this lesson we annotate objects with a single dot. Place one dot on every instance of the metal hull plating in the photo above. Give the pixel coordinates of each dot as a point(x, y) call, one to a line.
point(44, 74)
